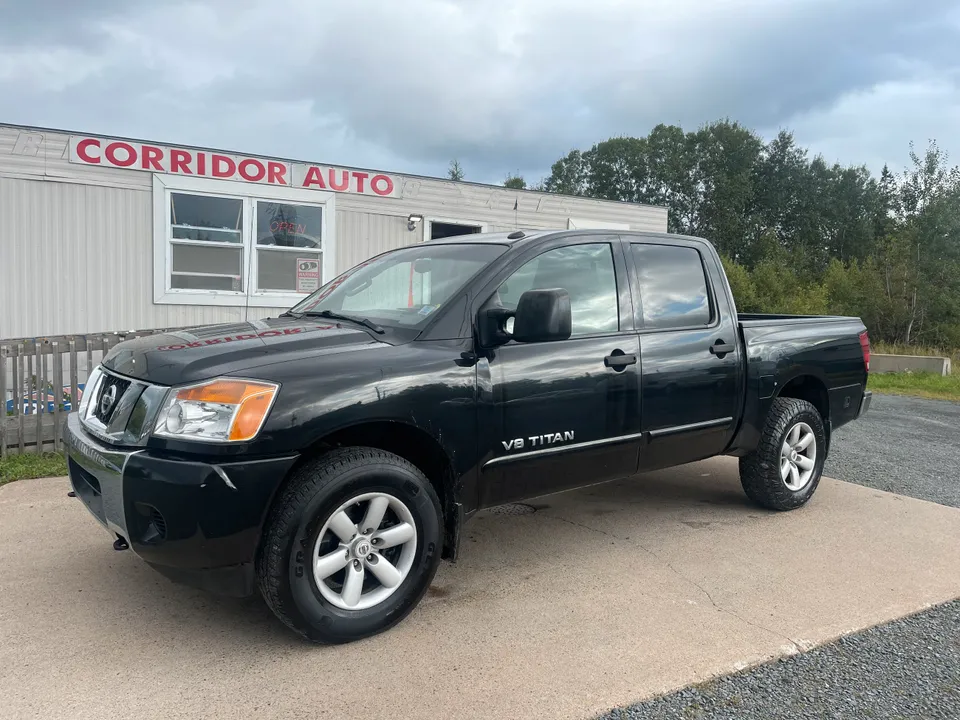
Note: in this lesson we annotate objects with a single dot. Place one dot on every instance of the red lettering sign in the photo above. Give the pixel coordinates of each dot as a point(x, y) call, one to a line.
point(223, 166)
point(276, 172)
point(178, 161)
point(381, 185)
point(129, 158)
point(283, 226)
point(360, 177)
point(258, 170)
point(82, 150)
point(314, 178)
point(344, 180)
point(150, 158)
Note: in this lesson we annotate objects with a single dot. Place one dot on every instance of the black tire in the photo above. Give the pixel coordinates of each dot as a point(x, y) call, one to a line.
point(760, 470)
point(317, 489)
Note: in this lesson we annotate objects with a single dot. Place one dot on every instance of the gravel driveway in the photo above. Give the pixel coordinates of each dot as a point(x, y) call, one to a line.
point(906, 669)
point(903, 445)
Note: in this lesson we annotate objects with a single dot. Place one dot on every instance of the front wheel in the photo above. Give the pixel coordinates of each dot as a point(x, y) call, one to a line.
point(784, 471)
point(350, 546)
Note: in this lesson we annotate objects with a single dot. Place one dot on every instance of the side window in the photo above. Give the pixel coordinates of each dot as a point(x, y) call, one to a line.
point(673, 286)
point(584, 271)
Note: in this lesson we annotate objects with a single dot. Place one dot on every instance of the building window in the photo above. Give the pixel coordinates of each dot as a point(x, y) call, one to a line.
point(289, 238)
point(438, 228)
point(220, 242)
point(206, 239)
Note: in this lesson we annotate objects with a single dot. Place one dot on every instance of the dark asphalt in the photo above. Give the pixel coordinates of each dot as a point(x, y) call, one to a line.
point(904, 445)
point(909, 668)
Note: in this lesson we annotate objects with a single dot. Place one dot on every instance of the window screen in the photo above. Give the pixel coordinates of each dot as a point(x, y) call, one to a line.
point(673, 287)
point(206, 235)
point(584, 271)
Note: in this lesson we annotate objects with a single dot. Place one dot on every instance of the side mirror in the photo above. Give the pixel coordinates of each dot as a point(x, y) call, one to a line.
point(491, 324)
point(543, 316)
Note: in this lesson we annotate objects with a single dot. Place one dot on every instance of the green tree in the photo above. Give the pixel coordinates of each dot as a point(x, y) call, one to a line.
point(741, 285)
point(515, 182)
point(568, 175)
point(455, 171)
point(797, 234)
point(728, 157)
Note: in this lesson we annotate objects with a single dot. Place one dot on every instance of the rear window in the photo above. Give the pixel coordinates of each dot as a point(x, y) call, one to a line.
point(673, 286)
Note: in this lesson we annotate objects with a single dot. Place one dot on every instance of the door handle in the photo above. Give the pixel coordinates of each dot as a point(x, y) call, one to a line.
point(720, 348)
point(619, 360)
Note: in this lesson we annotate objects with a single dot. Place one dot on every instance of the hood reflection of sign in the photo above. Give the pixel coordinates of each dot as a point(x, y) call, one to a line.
point(308, 275)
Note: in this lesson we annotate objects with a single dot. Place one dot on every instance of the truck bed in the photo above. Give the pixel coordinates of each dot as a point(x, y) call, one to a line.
point(764, 319)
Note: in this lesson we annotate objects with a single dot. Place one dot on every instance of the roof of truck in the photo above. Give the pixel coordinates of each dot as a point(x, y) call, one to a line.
point(515, 237)
point(498, 238)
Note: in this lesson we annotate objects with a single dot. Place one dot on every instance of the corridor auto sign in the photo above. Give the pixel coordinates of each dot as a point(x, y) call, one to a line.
point(128, 155)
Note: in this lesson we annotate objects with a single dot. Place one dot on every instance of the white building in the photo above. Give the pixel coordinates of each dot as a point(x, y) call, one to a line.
point(101, 234)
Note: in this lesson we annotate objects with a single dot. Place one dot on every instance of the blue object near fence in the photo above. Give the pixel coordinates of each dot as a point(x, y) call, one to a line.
point(28, 404)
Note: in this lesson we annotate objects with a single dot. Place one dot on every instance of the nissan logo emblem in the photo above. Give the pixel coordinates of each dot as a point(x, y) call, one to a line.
point(107, 399)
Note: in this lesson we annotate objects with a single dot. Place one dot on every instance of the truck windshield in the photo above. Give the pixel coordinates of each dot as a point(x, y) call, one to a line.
point(404, 287)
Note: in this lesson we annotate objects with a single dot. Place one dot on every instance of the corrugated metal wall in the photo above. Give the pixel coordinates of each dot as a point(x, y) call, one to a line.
point(363, 235)
point(76, 241)
point(79, 258)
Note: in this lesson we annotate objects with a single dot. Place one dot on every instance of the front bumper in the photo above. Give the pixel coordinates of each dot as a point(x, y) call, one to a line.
point(196, 522)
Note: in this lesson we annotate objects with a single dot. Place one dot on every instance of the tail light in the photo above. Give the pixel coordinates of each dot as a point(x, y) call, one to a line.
point(865, 347)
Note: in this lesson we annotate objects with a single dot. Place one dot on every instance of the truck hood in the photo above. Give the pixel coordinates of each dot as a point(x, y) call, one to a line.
point(196, 354)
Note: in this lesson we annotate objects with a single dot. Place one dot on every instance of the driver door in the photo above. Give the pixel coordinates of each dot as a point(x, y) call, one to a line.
point(562, 414)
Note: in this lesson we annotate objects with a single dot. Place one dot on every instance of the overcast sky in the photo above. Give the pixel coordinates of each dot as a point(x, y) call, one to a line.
point(503, 85)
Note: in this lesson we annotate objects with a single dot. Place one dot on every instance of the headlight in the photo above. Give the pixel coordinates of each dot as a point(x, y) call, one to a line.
point(222, 410)
point(89, 390)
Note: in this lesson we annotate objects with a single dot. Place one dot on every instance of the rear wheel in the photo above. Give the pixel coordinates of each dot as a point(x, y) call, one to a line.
point(350, 546)
point(784, 471)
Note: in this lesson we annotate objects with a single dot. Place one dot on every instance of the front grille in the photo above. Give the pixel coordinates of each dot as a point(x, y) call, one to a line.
point(158, 522)
point(108, 397)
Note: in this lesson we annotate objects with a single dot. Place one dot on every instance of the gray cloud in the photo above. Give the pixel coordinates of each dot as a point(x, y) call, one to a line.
point(501, 85)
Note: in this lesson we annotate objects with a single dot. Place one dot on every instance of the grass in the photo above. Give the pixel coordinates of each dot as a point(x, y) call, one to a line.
point(30, 465)
point(891, 349)
point(927, 385)
point(918, 384)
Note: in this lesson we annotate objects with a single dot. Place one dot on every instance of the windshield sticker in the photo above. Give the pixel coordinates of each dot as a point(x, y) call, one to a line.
point(427, 309)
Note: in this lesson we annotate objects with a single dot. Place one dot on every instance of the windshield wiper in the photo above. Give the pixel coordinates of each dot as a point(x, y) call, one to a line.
point(294, 315)
point(330, 314)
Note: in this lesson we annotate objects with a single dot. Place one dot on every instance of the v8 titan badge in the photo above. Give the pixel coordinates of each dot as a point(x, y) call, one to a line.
point(308, 275)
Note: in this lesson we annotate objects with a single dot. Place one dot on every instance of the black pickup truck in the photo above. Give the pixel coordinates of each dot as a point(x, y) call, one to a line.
point(330, 457)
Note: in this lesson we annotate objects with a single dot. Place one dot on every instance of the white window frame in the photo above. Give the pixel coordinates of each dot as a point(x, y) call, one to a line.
point(164, 185)
point(429, 221)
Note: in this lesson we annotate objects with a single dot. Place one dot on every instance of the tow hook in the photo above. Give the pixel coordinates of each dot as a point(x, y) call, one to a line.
point(120, 544)
point(71, 494)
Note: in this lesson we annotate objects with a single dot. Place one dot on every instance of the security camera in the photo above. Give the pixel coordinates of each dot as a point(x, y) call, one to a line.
point(412, 221)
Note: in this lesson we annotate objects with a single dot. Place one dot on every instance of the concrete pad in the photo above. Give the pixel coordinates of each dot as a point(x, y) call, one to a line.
point(604, 596)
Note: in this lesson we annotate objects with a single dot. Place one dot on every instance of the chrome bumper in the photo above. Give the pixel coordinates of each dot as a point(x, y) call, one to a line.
point(865, 402)
point(96, 474)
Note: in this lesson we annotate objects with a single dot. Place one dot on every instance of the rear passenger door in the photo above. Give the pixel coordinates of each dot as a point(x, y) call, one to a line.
point(691, 367)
